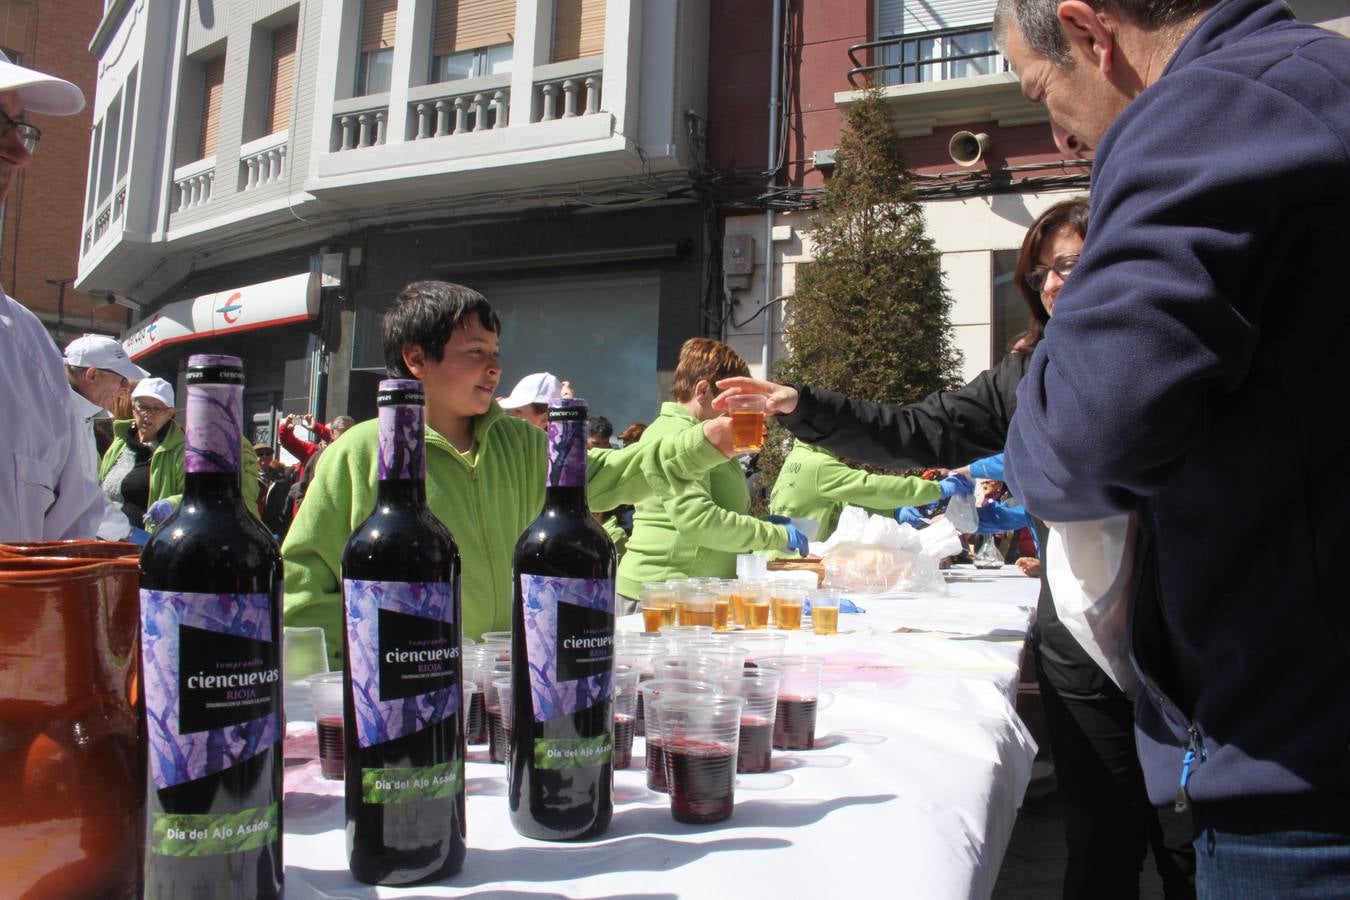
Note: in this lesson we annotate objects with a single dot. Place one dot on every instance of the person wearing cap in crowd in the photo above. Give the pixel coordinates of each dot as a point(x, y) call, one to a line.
point(100, 373)
point(530, 398)
point(142, 470)
point(48, 493)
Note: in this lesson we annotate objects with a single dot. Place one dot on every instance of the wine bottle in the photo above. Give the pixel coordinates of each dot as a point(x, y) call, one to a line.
point(402, 717)
point(211, 667)
point(559, 758)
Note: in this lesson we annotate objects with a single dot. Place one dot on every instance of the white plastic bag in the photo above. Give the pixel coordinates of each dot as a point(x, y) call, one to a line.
point(962, 513)
point(1089, 567)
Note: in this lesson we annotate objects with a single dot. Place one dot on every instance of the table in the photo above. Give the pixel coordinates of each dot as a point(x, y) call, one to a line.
point(912, 790)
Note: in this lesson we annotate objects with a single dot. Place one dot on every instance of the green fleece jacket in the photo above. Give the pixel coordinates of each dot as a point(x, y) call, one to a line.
point(815, 484)
point(486, 502)
point(166, 465)
point(693, 523)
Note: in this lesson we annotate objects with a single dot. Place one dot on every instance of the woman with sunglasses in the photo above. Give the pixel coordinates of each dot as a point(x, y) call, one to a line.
point(1110, 824)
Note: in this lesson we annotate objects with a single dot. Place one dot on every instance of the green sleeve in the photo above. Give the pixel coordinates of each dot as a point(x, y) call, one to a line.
point(698, 519)
point(618, 477)
point(248, 477)
point(617, 535)
point(836, 480)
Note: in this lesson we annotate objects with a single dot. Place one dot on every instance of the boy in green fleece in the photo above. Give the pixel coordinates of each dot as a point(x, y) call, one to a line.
point(485, 470)
point(815, 484)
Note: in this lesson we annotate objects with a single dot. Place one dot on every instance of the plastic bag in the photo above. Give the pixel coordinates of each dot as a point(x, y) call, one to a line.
point(1089, 568)
point(961, 512)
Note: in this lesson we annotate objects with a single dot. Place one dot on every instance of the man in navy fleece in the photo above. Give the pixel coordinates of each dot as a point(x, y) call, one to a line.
point(1201, 343)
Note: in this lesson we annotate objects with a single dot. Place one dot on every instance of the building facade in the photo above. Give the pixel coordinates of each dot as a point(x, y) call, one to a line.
point(266, 175)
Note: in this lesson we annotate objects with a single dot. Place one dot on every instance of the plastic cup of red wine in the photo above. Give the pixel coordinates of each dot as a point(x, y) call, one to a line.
point(700, 735)
point(625, 714)
point(496, 706)
point(325, 693)
point(650, 692)
point(759, 689)
point(794, 726)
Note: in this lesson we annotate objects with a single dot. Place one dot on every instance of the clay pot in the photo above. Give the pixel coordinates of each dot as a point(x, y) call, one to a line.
point(71, 765)
point(72, 549)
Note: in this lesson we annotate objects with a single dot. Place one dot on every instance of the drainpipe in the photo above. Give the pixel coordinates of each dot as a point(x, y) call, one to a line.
point(775, 101)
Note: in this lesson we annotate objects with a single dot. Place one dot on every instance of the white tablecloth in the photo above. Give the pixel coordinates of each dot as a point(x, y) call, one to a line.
point(919, 768)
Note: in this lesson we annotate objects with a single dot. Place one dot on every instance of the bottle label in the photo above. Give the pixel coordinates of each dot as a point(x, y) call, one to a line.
point(212, 681)
point(569, 636)
point(401, 430)
point(567, 427)
point(213, 429)
point(403, 653)
point(213, 834)
point(414, 784)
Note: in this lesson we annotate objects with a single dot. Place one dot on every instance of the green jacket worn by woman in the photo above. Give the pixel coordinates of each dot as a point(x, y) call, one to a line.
point(693, 523)
point(815, 484)
point(486, 499)
point(166, 464)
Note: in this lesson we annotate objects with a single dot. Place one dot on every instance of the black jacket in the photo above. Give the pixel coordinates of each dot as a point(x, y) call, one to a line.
point(948, 429)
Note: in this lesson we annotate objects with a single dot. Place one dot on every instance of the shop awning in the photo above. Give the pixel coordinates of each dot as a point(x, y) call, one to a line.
point(281, 301)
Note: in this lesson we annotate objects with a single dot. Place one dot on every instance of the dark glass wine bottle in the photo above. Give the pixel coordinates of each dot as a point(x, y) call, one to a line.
point(211, 667)
point(559, 758)
point(402, 718)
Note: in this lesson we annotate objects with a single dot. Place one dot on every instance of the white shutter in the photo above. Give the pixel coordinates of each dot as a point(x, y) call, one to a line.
point(915, 16)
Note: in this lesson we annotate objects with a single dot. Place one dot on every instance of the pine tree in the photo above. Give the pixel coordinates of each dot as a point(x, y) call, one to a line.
point(870, 316)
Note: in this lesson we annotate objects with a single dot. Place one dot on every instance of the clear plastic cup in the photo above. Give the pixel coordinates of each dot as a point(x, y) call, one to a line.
point(733, 655)
point(304, 652)
point(676, 634)
point(697, 605)
point(753, 598)
point(650, 692)
point(496, 638)
point(326, 693)
point(724, 613)
point(700, 737)
point(825, 610)
point(657, 601)
point(501, 726)
point(691, 666)
point(794, 726)
point(787, 600)
point(493, 711)
point(762, 643)
point(625, 714)
point(759, 689)
point(747, 422)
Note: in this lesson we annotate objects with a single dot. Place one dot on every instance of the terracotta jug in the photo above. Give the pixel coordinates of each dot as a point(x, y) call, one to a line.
point(71, 764)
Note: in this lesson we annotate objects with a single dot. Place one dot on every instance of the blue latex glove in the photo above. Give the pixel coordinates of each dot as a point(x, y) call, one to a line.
point(956, 486)
point(778, 520)
point(996, 517)
point(157, 513)
point(797, 542)
point(138, 537)
point(991, 468)
point(911, 516)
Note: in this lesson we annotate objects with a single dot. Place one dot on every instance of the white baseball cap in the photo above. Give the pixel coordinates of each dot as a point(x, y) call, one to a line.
point(158, 388)
point(541, 387)
point(40, 92)
point(102, 353)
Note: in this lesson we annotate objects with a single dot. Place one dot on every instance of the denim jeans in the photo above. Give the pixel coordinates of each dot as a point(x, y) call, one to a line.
point(1287, 848)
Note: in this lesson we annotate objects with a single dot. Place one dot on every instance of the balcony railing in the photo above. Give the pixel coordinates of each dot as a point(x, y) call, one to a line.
point(451, 108)
point(109, 211)
point(263, 161)
point(564, 90)
point(360, 122)
point(193, 182)
point(927, 56)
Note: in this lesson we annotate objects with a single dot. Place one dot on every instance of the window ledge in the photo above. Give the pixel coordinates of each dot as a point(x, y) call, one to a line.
point(916, 109)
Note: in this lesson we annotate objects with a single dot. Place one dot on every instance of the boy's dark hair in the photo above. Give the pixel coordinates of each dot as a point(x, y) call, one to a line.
point(601, 427)
point(425, 314)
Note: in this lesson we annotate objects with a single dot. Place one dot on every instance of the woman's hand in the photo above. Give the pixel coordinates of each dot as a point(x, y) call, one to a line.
point(1030, 566)
point(779, 399)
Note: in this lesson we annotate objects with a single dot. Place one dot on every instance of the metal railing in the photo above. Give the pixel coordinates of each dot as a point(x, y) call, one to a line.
point(900, 59)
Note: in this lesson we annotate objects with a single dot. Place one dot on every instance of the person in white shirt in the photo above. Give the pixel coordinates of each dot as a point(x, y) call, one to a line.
point(45, 491)
point(100, 372)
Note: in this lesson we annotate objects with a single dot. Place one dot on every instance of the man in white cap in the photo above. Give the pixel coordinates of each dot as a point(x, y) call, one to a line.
point(99, 372)
point(48, 493)
point(530, 398)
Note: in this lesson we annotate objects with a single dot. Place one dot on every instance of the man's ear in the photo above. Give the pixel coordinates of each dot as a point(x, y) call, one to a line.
point(415, 359)
point(703, 391)
point(1091, 37)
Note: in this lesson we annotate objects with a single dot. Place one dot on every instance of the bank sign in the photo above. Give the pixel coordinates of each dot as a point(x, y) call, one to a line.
point(282, 301)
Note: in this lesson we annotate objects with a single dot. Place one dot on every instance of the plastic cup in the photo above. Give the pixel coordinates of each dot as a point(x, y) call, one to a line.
point(753, 597)
point(825, 611)
point(470, 698)
point(657, 601)
point(676, 635)
point(638, 651)
point(759, 689)
point(759, 644)
point(501, 639)
point(747, 422)
point(478, 665)
point(700, 735)
point(326, 692)
point(794, 725)
point(787, 600)
point(650, 691)
point(697, 605)
point(625, 714)
point(732, 655)
point(500, 738)
point(691, 666)
point(304, 652)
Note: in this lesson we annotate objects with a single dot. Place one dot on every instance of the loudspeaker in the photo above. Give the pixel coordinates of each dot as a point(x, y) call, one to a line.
point(966, 148)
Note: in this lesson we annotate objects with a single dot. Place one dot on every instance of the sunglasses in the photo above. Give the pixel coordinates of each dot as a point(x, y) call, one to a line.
point(1062, 266)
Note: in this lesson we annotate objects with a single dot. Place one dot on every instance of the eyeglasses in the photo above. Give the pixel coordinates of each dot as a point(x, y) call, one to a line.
point(29, 135)
point(149, 410)
point(1062, 266)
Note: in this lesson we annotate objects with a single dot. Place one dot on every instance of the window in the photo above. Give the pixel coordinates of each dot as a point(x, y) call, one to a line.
point(578, 29)
point(128, 118)
point(1010, 316)
point(281, 85)
point(112, 120)
point(213, 91)
point(472, 38)
point(375, 68)
point(940, 55)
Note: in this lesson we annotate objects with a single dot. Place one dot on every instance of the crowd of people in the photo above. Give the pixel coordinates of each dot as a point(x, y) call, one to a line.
point(1183, 332)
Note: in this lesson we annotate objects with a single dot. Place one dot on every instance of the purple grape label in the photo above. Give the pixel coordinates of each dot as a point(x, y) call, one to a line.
point(567, 429)
point(403, 652)
point(402, 433)
point(212, 676)
point(214, 428)
point(569, 638)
